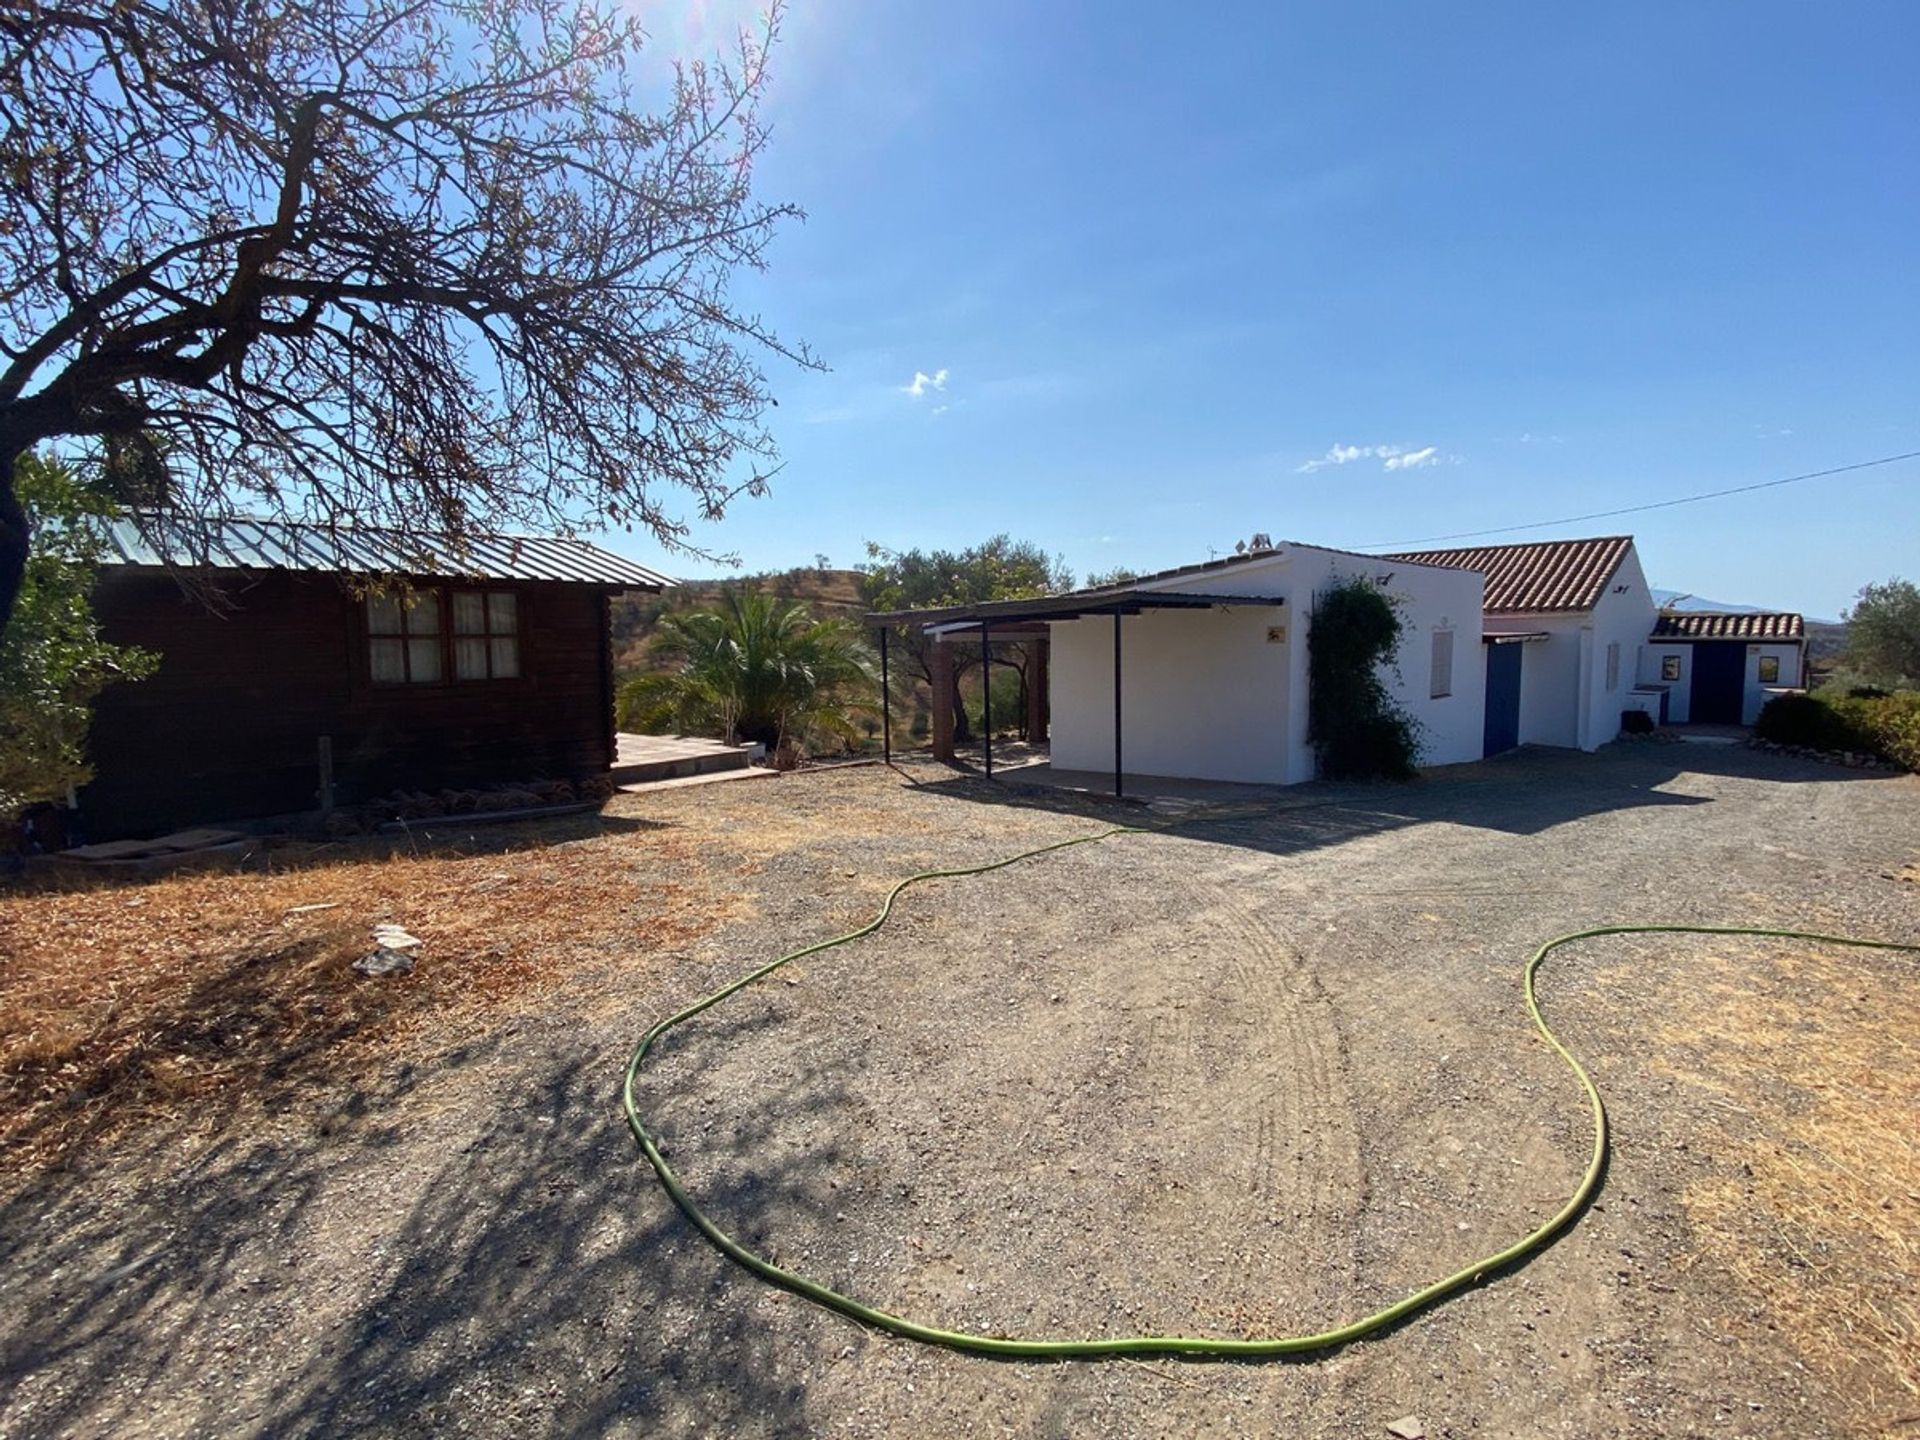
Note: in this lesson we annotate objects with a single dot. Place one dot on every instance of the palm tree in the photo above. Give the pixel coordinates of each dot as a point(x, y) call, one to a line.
point(752, 668)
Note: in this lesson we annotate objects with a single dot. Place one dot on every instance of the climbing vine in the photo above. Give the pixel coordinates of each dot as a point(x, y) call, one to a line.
point(1356, 730)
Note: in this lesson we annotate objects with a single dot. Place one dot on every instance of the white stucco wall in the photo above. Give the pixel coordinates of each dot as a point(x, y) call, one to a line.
point(1564, 696)
point(1209, 694)
point(1680, 691)
point(1754, 690)
point(1624, 616)
point(1757, 692)
point(1203, 694)
point(1452, 727)
point(1549, 677)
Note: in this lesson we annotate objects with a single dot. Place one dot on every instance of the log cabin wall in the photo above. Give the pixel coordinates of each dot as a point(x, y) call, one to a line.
point(229, 726)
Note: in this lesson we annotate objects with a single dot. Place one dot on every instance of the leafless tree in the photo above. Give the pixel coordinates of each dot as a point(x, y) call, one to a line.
point(426, 264)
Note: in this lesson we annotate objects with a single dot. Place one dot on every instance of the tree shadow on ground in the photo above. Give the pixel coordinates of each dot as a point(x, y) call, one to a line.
point(539, 1278)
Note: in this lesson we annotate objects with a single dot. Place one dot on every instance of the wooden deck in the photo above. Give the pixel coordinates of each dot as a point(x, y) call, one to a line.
point(647, 759)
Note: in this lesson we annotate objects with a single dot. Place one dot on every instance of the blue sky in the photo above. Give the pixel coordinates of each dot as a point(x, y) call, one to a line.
point(1162, 272)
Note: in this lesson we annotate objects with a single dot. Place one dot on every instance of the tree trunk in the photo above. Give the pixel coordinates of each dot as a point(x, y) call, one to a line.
point(14, 538)
point(962, 730)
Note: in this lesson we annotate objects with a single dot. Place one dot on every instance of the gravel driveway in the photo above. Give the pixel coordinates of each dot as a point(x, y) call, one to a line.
point(1245, 1077)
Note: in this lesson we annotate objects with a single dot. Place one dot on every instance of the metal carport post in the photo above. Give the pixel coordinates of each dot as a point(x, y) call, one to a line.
point(886, 703)
point(1119, 787)
point(986, 699)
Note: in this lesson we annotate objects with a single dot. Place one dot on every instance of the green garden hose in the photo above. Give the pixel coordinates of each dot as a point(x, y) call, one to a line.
point(1165, 1344)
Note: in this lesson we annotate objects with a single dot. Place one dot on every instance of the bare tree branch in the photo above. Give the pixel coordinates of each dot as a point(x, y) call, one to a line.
point(422, 264)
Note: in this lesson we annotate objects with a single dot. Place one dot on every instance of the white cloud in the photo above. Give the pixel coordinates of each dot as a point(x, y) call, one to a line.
point(923, 382)
point(1391, 457)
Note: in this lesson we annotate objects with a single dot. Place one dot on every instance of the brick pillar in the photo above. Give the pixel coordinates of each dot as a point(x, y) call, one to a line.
point(1037, 692)
point(942, 657)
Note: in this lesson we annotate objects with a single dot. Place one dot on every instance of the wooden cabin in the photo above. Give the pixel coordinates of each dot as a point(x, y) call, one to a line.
point(285, 685)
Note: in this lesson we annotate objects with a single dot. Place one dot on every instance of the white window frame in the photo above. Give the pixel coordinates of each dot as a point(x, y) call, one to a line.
point(1613, 666)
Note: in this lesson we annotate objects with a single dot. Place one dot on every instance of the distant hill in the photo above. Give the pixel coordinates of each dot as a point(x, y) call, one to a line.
point(1826, 642)
point(1686, 602)
point(1826, 639)
point(830, 592)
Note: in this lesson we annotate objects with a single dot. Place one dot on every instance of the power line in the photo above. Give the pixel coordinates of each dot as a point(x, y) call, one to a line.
point(1654, 505)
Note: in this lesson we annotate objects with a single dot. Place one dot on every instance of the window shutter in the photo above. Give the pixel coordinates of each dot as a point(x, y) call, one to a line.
point(1442, 671)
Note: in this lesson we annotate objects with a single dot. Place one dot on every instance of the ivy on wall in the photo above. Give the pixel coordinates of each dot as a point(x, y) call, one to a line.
point(1356, 730)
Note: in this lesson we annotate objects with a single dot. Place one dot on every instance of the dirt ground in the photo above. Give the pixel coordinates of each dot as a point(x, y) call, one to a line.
point(1248, 1076)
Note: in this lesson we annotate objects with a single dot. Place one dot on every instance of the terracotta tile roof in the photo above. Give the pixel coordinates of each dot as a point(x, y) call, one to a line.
point(1548, 575)
point(1717, 625)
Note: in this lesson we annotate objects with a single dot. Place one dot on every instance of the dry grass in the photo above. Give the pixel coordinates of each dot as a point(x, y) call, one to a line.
point(128, 1000)
point(1816, 1055)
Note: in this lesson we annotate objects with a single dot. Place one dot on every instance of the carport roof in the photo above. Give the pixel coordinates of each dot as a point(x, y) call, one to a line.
point(1106, 600)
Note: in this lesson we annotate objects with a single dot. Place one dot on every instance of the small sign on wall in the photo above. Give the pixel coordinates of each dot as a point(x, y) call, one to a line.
point(1276, 634)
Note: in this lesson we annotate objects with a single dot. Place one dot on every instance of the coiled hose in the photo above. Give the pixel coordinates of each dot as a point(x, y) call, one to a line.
point(1197, 1345)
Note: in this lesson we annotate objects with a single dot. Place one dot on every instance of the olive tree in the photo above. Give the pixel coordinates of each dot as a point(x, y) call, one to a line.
point(1883, 632)
point(1000, 568)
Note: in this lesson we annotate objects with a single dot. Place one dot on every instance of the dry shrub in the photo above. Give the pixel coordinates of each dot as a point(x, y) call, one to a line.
point(127, 1000)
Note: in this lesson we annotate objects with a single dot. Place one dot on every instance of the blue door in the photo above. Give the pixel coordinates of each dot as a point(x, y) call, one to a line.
point(1503, 698)
point(1719, 683)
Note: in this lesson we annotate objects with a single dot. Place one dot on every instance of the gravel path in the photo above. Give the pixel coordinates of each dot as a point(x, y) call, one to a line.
point(1248, 1077)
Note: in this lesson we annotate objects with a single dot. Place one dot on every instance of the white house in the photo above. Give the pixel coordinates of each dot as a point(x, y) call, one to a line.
point(1201, 672)
point(1564, 623)
point(1589, 643)
point(1721, 668)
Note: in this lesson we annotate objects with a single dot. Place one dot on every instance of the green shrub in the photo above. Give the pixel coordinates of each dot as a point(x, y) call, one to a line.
point(1008, 711)
point(1803, 720)
point(753, 668)
point(1886, 725)
point(1356, 730)
point(53, 661)
point(1893, 724)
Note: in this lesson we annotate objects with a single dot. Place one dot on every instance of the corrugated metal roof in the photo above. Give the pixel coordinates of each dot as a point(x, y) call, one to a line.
point(1537, 578)
point(240, 543)
point(1724, 625)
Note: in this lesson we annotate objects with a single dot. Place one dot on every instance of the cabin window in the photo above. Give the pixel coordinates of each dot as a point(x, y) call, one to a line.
point(1442, 672)
point(1669, 667)
point(1769, 669)
point(1613, 665)
point(486, 635)
point(403, 638)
